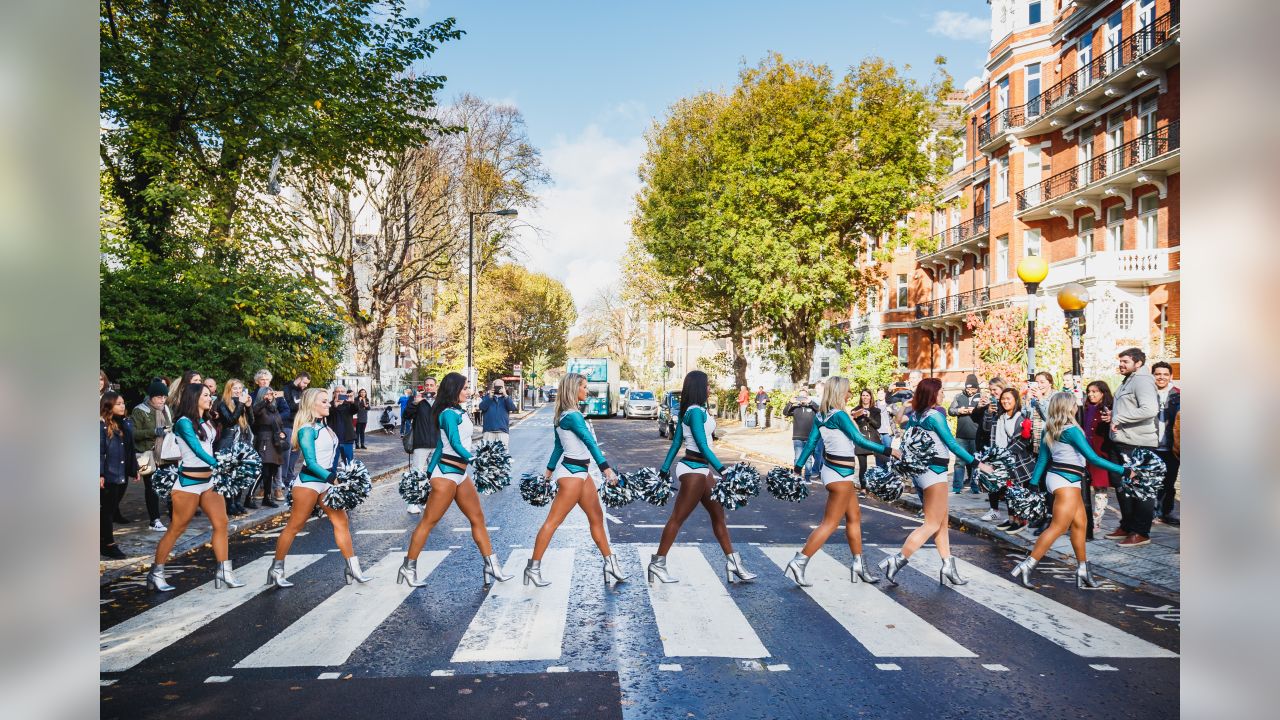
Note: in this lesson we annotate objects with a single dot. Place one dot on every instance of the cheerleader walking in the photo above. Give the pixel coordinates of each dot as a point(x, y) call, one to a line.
point(574, 442)
point(1064, 450)
point(451, 482)
point(316, 442)
point(194, 488)
point(839, 469)
point(696, 427)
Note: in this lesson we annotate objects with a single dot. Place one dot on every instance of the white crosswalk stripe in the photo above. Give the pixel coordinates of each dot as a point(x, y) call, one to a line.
point(518, 621)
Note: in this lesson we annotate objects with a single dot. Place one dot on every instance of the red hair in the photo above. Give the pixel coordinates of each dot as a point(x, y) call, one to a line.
point(926, 396)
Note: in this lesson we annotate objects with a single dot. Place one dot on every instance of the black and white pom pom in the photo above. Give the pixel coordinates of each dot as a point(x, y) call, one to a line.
point(1026, 503)
point(491, 467)
point(238, 469)
point(415, 486)
point(1000, 461)
point(351, 489)
point(618, 494)
point(536, 490)
point(650, 486)
point(884, 482)
point(786, 485)
point(1146, 475)
point(163, 480)
point(736, 486)
point(917, 451)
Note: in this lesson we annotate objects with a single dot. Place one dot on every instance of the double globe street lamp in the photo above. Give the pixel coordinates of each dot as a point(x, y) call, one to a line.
point(471, 286)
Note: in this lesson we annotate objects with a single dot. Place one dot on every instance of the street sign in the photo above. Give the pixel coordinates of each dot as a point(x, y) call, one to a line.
point(515, 369)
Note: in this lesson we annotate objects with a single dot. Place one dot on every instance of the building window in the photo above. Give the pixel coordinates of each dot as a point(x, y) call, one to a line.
point(1033, 12)
point(1002, 258)
point(1115, 227)
point(872, 300)
point(825, 367)
point(1124, 315)
point(1084, 235)
point(902, 291)
point(1001, 171)
point(1033, 89)
point(1162, 321)
point(1148, 222)
point(1031, 175)
point(902, 351)
point(1002, 95)
point(1030, 242)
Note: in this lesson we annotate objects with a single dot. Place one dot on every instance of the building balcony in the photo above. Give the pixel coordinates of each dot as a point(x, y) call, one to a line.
point(1147, 159)
point(945, 310)
point(953, 242)
point(1120, 266)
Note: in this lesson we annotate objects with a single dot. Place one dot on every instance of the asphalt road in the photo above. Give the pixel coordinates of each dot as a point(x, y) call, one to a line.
point(700, 648)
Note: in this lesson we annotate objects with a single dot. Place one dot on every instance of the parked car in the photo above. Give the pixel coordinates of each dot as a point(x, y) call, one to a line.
point(641, 404)
point(551, 394)
point(669, 413)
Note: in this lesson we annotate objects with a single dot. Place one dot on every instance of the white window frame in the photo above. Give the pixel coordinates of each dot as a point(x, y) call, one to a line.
point(902, 290)
point(1001, 172)
point(1002, 258)
point(904, 349)
point(1085, 238)
point(1032, 237)
point(1041, 5)
point(1148, 221)
point(1032, 174)
point(1115, 227)
point(1027, 79)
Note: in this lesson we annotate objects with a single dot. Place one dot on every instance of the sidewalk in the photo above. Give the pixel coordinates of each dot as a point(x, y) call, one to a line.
point(1155, 566)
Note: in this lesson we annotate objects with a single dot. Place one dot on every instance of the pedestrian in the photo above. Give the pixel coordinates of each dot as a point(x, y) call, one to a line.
point(842, 439)
point(212, 385)
point(744, 397)
point(495, 410)
point(1010, 429)
point(175, 389)
point(802, 410)
point(1134, 423)
point(866, 417)
point(574, 448)
point(1097, 399)
point(424, 439)
point(270, 440)
point(962, 407)
point(288, 408)
point(1169, 400)
point(886, 419)
point(104, 383)
point(151, 420)
point(315, 441)
point(342, 418)
point(925, 414)
point(451, 482)
point(762, 404)
point(405, 398)
point(194, 487)
point(233, 417)
point(1038, 392)
point(117, 465)
point(1060, 463)
point(988, 408)
point(696, 430)
point(362, 417)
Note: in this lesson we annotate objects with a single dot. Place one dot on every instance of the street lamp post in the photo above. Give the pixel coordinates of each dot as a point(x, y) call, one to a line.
point(1073, 298)
point(471, 282)
point(1032, 271)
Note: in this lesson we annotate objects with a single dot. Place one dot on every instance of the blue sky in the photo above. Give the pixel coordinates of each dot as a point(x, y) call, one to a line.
point(590, 78)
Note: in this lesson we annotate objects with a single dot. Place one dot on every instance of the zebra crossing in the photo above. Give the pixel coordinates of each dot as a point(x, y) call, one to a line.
point(701, 616)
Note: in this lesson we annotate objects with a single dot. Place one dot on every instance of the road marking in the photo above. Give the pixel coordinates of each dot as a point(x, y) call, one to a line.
point(1064, 626)
point(125, 645)
point(468, 528)
point(780, 667)
point(887, 666)
point(521, 622)
point(442, 673)
point(748, 527)
point(696, 616)
point(1105, 668)
point(612, 519)
point(329, 676)
point(648, 527)
point(664, 667)
point(105, 683)
point(332, 630)
point(276, 534)
point(889, 512)
point(558, 669)
point(218, 679)
point(995, 667)
point(382, 532)
point(882, 625)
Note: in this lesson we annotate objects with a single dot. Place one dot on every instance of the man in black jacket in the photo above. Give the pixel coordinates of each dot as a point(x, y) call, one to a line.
point(984, 416)
point(292, 396)
point(342, 418)
point(962, 408)
point(1169, 400)
point(802, 412)
point(418, 414)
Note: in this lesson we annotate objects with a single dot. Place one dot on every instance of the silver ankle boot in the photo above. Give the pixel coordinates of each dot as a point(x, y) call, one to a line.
point(611, 569)
point(1084, 578)
point(224, 576)
point(892, 565)
point(949, 572)
point(155, 579)
point(352, 571)
point(733, 568)
point(533, 573)
point(658, 569)
point(275, 576)
point(493, 570)
point(795, 570)
point(860, 571)
point(408, 573)
point(1023, 571)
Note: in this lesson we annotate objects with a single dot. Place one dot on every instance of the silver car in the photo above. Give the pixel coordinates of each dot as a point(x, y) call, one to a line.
point(640, 404)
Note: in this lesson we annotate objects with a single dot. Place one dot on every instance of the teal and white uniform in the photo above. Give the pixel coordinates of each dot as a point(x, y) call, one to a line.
point(944, 444)
point(840, 439)
point(696, 428)
point(197, 455)
point(452, 457)
point(319, 447)
point(575, 448)
point(1062, 462)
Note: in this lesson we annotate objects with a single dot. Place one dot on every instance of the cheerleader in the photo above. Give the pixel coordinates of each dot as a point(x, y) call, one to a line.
point(696, 428)
point(316, 442)
point(451, 481)
point(1064, 450)
point(933, 483)
point(574, 441)
point(194, 488)
point(839, 469)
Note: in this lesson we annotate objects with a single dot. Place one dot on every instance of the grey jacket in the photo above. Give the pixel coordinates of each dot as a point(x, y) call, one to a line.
point(1134, 410)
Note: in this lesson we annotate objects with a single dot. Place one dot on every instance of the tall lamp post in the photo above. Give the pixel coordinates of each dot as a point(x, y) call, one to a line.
point(1073, 298)
point(1032, 271)
point(471, 282)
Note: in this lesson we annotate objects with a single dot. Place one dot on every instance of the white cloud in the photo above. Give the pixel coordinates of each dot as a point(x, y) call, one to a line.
point(959, 26)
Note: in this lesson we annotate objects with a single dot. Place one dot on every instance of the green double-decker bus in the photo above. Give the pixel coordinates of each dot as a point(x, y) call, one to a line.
point(604, 383)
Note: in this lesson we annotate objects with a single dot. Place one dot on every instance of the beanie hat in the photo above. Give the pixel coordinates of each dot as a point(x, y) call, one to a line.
point(971, 381)
point(157, 388)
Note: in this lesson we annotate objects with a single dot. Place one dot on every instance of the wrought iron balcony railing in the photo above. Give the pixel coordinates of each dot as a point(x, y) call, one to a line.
point(952, 236)
point(1139, 150)
point(963, 302)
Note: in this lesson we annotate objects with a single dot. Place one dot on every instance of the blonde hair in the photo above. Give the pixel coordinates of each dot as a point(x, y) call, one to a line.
point(567, 395)
point(228, 399)
point(1062, 415)
point(305, 414)
point(834, 394)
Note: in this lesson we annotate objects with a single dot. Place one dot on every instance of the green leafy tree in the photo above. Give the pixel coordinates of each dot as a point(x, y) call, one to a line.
point(870, 364)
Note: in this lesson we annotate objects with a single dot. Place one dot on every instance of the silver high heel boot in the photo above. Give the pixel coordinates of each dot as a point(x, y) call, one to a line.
point(493, 570)
point(949, 572)
point(611, 569)
point(1084, 578)
point(860, 571)
point(795, 570)
point(1022, 571)
point(275, 576)
point(892, 565)
point(408, 573)
point(224, 576)
point(155, 579)
point(733, 567)
point(658, 569)
point(533, 573)
point(352, 571)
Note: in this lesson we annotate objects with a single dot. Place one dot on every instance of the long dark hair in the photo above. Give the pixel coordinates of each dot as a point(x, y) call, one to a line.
point(926, 396)
point(867, 391)
point(1103, 388)
point(189, 407)
point(694, 391)
point(447, 397)
point(107, 411)
point(1017, 401)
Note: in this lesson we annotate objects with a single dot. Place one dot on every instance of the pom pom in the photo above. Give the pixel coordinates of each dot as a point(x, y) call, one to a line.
point(1146, 475)
point(1026, 503)
point(237, 471)
point(1001, 462)
point(536, 490)
point(491, 467)
point(884, 482)
point(650, 486)
point(786, 485)
point(618, 494)
point(917, 451)
point(351, 489)
point(415, 486)
point(163, 480)
point(317, 510)
point(736, 486)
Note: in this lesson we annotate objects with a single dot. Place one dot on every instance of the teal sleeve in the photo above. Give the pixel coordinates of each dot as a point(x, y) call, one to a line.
point(557, 451)
point(1074, 437)
point(677, 435)
point(697, 418)
point(810, 445)
point(435, 459)
point(449, 421)
point(307, 445)
point(936, 424)
point(1042, 462)
point(187, 433)
point(576, 424)
point(845, 424)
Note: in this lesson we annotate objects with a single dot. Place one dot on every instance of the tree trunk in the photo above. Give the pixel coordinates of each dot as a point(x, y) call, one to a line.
point(739, 357)
point(368, 345)
point(798, 343)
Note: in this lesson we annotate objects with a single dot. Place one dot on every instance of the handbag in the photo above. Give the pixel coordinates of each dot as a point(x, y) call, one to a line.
point(146, 462)
point(170, 450)
point(407, 438)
